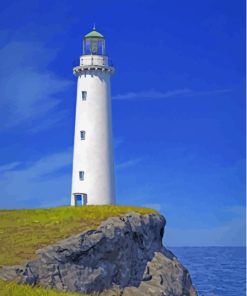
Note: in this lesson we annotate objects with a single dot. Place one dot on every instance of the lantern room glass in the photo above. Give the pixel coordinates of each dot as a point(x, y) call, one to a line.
point(95, 46)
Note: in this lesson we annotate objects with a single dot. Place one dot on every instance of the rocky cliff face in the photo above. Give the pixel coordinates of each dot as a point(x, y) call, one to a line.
point(123, 256)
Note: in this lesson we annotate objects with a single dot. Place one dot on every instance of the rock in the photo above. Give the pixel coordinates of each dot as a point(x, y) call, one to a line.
point(168, 277)
point(123, 256)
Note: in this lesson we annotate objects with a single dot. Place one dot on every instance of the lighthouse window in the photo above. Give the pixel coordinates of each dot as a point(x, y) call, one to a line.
point(81, 175)
point(82, 135)
point(84, 95)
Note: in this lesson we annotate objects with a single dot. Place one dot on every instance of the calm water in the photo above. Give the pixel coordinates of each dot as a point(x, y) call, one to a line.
point(215, 271)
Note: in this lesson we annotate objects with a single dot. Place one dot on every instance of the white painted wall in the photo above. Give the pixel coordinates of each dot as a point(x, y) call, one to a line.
point(93, 60)
point(94, 155)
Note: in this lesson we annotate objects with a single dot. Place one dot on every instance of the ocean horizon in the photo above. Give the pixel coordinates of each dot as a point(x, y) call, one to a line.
point(215, 270)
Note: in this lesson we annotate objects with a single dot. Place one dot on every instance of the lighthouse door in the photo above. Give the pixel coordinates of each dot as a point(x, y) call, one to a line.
point(80, 199)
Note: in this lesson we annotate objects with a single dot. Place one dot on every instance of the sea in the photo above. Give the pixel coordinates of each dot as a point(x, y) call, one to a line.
point(215, 271)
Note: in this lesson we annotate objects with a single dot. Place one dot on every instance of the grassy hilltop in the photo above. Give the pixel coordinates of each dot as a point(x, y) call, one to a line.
point(22, 232)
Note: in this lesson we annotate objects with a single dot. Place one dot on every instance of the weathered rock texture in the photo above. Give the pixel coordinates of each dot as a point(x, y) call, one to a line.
point(123, 256)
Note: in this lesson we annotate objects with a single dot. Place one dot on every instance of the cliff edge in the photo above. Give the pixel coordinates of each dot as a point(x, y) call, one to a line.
point(123, 256)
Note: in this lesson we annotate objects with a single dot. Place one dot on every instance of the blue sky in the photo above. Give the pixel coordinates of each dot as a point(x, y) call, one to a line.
point(178, 108)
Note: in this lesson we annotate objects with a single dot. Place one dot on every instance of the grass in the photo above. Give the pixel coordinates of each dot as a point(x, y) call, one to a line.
point(13, 289)
point(22, 232)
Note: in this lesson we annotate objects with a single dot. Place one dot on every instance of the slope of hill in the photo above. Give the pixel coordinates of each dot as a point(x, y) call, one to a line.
point(22, 232)
point(13, 289)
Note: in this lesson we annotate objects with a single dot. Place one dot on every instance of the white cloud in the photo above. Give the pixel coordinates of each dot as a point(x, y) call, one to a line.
point(235, 210)
point(156, 206)
point(128, 163)
point(57, 119)
point(9, 166)
point(28, 89)
point(44, 182)
point(153, 94)
point(118, 142)
point(229, 233)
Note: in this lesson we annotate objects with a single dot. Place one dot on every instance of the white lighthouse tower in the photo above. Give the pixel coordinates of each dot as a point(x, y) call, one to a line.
point(93, 167)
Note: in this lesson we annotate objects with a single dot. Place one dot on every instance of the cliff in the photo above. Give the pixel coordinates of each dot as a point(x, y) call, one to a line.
point(123, 256)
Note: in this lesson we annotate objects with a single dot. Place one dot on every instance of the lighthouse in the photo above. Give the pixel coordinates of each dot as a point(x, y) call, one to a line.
point(93, 164)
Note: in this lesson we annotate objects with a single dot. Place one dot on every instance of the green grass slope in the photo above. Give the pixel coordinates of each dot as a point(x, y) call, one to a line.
point(13, 289)
point(22, 232)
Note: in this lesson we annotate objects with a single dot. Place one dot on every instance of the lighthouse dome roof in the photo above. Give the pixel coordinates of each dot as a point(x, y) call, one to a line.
point(94, 34)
